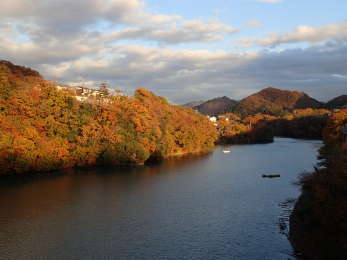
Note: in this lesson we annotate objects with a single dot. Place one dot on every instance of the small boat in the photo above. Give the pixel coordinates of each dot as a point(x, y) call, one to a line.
point(226, 151)
point(271, 175)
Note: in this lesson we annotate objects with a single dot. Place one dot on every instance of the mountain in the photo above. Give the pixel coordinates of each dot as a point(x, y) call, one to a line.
point(193, 103)
point(276, 100)
point(216, 106)
point(337, 102)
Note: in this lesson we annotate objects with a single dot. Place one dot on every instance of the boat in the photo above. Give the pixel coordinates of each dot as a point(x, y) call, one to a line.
point(271, 175)
point(226, 151)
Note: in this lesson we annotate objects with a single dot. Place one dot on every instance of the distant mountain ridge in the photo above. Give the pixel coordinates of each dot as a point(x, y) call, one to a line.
point(216, 106)
point(269, 100)
point(337, 102)
point(193, 103)
point(273, 98)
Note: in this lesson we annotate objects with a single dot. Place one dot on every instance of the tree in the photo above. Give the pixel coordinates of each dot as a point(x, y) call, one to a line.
point(103, 88)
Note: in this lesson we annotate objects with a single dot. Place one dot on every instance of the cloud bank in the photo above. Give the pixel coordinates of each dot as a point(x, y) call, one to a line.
point(126, 44)
point(303, 33)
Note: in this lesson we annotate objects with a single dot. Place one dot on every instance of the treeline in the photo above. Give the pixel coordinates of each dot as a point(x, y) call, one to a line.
point(44, 129)
point(261, 128)
point(319, 221)
point(302, 123)
point(233, 129)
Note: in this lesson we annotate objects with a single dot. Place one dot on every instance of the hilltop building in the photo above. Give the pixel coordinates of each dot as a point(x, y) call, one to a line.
point(81, 93)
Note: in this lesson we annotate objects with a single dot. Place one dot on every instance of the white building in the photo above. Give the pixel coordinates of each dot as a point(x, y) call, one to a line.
point(213, 119)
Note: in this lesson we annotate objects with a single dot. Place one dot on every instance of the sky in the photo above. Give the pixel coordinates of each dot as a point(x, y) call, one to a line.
point(183, 50)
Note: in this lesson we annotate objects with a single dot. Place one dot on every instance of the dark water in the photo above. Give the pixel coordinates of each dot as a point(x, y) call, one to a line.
point(215, 206)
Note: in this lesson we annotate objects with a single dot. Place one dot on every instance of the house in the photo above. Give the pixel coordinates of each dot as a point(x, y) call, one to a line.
point(81, 93)
point(213, 119)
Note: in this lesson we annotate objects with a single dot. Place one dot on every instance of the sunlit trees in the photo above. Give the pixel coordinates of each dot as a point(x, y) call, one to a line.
point(252, 129)
point(43, 128)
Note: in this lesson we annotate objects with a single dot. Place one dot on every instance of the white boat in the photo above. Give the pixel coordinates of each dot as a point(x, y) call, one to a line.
point(226, 151)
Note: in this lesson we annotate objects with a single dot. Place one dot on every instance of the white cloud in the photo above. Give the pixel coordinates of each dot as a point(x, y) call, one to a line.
point(254, 23)
point(69, 47)
point(187, 31)
point(46, 21)
point(185, 75)
point(303, 33)
point(339, 76)
point(66, 18)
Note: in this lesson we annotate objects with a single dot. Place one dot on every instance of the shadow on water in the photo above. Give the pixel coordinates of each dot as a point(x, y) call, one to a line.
point(212, 206)
point(153, 167)
point(35, 195)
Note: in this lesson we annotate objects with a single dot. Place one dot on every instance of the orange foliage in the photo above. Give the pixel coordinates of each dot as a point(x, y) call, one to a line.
point(43, 129)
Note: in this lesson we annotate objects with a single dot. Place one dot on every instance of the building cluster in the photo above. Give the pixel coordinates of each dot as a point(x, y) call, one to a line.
point(82, 93)
point(214, 119)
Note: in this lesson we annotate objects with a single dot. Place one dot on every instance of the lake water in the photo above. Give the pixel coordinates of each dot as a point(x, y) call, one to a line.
point(215, 206)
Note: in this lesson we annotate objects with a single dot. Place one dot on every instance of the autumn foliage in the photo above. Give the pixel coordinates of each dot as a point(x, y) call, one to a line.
point(252, 129)
point(44, 129)
point(261, 128)
point(322, 209)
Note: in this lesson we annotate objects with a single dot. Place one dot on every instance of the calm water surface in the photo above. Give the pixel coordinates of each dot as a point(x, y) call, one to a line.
point(215, 206)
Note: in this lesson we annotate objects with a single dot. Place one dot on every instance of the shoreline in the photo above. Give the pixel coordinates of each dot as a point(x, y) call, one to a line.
point(66, 171)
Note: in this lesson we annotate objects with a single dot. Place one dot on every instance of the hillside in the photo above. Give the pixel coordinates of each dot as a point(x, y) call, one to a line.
point(318, 227)
point(337, 102)
point(193, 104)
point(216, 106)
point(12, 71)
point(14, 76)
point(275, 101)
point(43, 128)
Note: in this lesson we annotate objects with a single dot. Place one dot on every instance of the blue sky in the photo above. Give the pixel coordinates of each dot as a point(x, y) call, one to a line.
point(184, 50)
point(279, 17)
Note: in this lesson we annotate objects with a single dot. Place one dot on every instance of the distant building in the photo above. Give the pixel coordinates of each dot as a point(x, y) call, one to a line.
point(62, 87)
point(81, 93)
point(213, 119)
point(86, 92)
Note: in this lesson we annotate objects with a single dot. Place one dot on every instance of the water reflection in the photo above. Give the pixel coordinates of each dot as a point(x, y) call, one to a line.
point(213, 206)
point(34, 197)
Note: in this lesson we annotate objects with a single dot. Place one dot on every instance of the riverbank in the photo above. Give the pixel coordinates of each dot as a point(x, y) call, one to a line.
point(318, 229)
point(318, 221)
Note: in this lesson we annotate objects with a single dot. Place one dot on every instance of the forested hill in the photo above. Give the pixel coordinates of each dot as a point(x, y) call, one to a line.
point(274, 100)
point(216, 106)
point(12, 76)
point(43, 128)
point(193, 103)
point(338, 102)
